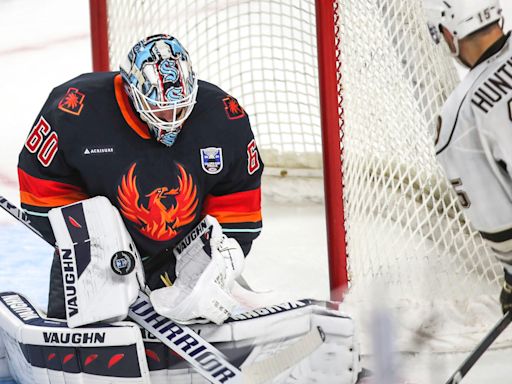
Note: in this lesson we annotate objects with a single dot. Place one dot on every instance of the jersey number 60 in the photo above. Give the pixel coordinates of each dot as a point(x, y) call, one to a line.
point(44, 141)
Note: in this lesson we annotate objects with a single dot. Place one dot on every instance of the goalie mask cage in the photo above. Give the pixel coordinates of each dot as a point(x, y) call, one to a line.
point(355, 86)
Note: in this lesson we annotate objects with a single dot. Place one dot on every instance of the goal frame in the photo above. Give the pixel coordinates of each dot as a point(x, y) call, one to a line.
point(331, 113)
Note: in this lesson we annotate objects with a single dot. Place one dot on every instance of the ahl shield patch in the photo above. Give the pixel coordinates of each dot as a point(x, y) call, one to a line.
point(211, 160)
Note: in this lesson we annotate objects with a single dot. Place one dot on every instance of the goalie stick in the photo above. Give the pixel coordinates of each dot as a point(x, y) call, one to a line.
point(467, 364)
point(19, 215)
point(201, 355)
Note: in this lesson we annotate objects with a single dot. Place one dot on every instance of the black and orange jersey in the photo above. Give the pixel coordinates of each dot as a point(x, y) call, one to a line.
point(88, 141)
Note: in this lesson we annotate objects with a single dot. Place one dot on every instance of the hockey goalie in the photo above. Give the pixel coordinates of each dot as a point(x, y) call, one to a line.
point(103, 280)
point(148, 182)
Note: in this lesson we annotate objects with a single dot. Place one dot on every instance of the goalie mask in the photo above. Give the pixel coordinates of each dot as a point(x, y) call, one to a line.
point(460, 17)
point(159, 79)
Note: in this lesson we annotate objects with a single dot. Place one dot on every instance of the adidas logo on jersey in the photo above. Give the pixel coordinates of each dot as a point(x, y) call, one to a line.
point(98, 150)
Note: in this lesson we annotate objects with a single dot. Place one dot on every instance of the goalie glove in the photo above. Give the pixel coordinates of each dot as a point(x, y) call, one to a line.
point(207, 264)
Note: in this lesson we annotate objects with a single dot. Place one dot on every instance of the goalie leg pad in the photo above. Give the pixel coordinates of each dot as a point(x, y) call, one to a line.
point(101, 268)
point(272, 345)
point(336, 360)
point(40, 350)
point(4, 366)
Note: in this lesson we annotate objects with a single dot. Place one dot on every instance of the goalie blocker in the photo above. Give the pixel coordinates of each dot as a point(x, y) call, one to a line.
point(101, 268)
point(41, 350)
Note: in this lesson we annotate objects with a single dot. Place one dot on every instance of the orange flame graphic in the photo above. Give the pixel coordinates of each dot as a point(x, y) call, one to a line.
point(156, 221)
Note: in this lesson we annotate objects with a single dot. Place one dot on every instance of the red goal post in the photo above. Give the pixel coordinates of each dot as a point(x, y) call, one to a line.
point(331, 110)
point(99, 35)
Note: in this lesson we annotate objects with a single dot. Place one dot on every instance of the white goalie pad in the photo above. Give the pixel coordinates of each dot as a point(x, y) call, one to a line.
point(38, 350)
point(101, 268)
point(277, 344)
point(4, 363)
point(280, 330)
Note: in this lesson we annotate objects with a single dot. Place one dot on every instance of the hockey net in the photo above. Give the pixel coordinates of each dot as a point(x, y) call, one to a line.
point(404, 230)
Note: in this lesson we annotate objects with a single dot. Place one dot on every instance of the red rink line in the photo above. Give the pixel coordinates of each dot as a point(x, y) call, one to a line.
point(44, 45)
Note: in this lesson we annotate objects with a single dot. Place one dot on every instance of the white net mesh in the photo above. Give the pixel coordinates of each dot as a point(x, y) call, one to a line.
point(403, 225)
point(405, 232)
point(394, 81)
point(262, 52)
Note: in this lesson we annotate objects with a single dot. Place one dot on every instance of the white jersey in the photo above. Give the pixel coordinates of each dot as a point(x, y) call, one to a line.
point(474, 145)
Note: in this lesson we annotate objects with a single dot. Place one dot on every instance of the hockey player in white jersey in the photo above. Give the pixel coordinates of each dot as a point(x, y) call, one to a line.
point(474, 131)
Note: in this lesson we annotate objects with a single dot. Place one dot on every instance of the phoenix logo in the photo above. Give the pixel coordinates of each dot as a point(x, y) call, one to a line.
point(156, 220)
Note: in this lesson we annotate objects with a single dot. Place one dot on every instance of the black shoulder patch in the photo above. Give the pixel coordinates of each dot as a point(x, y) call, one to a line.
point(233, 109)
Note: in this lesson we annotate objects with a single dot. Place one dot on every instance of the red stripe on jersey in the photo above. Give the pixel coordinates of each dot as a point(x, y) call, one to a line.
point(236, 217)
point(46, 193)
point(127, 111)
point(236, 207)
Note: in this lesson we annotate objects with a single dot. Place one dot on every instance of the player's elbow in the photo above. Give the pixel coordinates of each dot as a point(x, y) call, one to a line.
point(501, 243)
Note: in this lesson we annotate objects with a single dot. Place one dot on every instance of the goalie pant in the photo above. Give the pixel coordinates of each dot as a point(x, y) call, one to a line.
point(41, 350)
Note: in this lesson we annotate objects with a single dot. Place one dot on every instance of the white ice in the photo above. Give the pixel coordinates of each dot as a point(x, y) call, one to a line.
point(46, 42)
